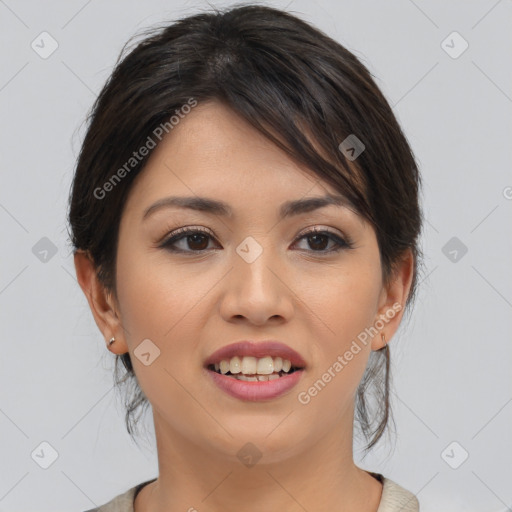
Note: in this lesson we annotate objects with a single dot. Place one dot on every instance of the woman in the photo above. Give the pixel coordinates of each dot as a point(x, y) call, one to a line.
point(245, 218)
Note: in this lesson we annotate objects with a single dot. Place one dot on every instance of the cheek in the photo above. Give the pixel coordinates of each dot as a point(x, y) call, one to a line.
point(348, 302)
point(140, 295)
point(155, 295)
point(157, 303)
point(165, 303)
point(357, 304)
point(347, 305)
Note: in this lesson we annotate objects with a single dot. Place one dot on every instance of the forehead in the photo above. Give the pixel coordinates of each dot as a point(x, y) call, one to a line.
point(213, 152)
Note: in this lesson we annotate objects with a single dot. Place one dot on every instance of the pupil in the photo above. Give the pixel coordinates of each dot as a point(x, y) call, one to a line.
point(196, 237)
point(317, 237)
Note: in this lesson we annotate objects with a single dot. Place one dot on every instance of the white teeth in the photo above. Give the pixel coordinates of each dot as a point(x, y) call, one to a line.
point(241, 376)
point(272, 376)
point(234, 365)
point(263, 378)
point(224, 366)
point(267, 366)
point(248, 365)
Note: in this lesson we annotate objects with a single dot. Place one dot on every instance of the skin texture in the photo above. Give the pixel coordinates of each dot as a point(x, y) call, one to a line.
point(189, 305)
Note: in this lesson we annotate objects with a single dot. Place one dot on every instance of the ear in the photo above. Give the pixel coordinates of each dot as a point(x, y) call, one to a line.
point(101, 302)
point(392, 301)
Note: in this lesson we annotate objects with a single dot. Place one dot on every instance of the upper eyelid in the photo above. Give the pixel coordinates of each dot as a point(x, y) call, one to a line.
point(321, 228)
point(184, 231)
point(316, 228)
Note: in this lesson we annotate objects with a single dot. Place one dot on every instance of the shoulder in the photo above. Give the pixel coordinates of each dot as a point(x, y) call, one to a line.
point(122, 502)
point(395, 498)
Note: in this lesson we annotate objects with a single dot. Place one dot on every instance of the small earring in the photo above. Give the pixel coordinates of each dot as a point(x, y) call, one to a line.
point(111, 341)
point(385, 347)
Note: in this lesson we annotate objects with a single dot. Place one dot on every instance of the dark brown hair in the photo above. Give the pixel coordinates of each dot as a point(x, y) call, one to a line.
point(284, 77)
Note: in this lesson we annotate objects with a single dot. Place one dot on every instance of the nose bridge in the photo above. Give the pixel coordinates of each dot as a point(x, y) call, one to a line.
point(255, 290)
point(253, 257)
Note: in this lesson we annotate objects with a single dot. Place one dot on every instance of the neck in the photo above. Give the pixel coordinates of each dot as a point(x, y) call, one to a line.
point(321, 477)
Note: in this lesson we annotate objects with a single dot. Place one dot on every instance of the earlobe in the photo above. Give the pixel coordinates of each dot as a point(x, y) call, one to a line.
point(100, 301)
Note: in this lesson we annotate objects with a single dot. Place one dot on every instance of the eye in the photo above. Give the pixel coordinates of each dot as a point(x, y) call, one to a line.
point(320, 238)
point(197, 240)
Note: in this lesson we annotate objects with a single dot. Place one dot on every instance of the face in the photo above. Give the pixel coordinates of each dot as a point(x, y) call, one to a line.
point(247, 275)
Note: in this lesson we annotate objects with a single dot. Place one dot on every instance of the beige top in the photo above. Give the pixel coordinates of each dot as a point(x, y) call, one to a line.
point(394, 498)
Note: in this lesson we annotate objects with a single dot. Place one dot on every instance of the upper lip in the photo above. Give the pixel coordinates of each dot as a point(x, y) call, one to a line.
point(256, 349)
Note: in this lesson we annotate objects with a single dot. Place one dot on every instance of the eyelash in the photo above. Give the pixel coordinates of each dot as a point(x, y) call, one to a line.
point(182, 233)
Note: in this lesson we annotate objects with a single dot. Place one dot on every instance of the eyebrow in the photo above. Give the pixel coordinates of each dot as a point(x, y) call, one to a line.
point(212, 206)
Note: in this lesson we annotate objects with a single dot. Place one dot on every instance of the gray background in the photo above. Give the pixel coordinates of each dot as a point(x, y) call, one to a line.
point(451, 363)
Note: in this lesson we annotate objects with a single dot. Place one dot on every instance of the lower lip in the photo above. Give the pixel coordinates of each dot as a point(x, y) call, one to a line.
point(256, 391)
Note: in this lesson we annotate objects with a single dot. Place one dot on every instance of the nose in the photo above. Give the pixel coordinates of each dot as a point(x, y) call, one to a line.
point(257, 291)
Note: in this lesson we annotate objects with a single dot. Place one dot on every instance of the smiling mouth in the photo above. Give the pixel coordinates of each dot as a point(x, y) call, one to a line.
point(252, 369)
